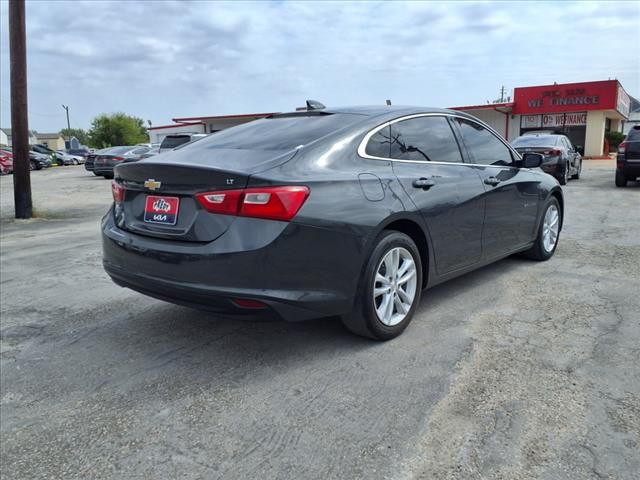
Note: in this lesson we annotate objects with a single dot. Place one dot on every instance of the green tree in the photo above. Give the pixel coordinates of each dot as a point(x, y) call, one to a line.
point(79, 133)
point(614, 139)
point(117, 129)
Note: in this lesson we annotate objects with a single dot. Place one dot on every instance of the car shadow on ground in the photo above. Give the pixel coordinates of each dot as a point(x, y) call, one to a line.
point(165, 328)
point(134, 342)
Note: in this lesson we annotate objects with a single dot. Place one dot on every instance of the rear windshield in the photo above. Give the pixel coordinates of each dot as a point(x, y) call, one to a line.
point(634, 134)
point(530, 140)
point(284, 133)
point(174, 141)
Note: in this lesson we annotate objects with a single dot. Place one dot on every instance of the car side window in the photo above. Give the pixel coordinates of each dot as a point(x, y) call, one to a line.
point(425, 139)
point(483, 145)
point(378, 145)
point(568, 144)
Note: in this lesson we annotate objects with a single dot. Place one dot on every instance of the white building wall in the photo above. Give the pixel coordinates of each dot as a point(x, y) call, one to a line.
point(594, 141)
point(494, 119)
point(498, 121)
point(514, 127)
point(3, 138)
point(156, 136)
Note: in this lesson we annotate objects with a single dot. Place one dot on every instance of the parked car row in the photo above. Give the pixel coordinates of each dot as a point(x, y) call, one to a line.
point(6, 162)
point(68, 158)
point(102, 162)
point(43, 157)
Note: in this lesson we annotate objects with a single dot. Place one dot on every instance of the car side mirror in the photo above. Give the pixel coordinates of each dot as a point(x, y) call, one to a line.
point(532, 160)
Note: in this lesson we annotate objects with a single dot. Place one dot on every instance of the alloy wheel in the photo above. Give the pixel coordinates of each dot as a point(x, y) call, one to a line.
point(395, 286)
point(550, 228)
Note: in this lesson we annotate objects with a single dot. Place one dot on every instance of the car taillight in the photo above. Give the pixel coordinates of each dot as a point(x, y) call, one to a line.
point(225, 202)
point(622, 148)
point(117, 159)
point(117, 191)
point(552, 153)
point(273, 203)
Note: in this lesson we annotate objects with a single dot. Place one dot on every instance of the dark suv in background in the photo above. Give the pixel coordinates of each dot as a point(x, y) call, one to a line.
point(628, 161)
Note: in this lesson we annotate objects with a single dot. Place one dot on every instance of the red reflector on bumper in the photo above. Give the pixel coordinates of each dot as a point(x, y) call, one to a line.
point(250, 304)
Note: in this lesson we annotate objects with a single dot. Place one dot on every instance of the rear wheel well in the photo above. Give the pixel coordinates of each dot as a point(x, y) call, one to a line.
point(416, 234)
point(558, 197)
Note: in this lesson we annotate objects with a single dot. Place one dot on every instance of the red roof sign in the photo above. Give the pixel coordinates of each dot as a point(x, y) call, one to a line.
point(568, 97)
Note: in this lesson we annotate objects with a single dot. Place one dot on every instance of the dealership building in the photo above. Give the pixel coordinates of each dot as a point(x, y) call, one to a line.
point(582, 111)
point(207, 124)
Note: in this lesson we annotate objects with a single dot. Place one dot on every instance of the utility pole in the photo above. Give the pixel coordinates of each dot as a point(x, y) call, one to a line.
point(66, 109)
point(502, 92)
point(19, 119)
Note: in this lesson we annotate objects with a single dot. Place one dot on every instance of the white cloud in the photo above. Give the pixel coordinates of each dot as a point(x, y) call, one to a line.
point(160, 60)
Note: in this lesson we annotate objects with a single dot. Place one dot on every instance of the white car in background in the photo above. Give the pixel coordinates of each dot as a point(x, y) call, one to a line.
point(69, 159)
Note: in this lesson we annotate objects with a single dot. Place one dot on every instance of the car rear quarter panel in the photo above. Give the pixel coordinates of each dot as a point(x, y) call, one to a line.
point(353, 197)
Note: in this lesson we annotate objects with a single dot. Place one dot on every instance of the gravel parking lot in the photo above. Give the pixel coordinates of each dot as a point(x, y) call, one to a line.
point(520, 370)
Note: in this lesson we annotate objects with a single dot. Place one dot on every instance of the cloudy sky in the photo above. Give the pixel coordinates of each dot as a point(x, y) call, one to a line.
point(164, 59)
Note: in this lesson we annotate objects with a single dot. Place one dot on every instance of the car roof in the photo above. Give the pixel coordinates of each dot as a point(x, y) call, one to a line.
point(543, 135)
point(381, 112)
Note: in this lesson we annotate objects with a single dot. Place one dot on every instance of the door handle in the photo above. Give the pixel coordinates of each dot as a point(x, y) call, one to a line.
point(493, 181)
point(423, 183)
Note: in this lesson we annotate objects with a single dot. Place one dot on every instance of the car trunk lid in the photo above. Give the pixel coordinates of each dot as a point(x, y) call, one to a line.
point(159, 196)
point(537, 149)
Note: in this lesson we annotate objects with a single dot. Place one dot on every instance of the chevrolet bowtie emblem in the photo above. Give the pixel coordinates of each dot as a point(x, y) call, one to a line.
point(151, 184)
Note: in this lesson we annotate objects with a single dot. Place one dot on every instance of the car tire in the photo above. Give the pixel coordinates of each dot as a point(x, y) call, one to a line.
point(542, 249)
point(97, 174)
point(108, 176)
point(564, 178)
point(621, 179)
point(387, 260)
point(32, 166)
point(576, 176)
point(74, 162)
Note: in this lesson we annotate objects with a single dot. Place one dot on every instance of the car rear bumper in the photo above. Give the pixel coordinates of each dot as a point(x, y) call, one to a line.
point(630, 167)
point(553, 166)
point(302, 272)
point(103, 170)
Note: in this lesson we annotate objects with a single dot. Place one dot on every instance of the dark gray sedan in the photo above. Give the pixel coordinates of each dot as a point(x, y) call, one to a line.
point(349, 212)
point(561, 158)
point(105, 162)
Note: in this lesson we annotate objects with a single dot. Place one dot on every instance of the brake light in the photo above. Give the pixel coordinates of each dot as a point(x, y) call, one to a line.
point(622, 148)
point(273, 203)
point(117, 191)
point(553, 153)
point(117, 159)
point(225, 202)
